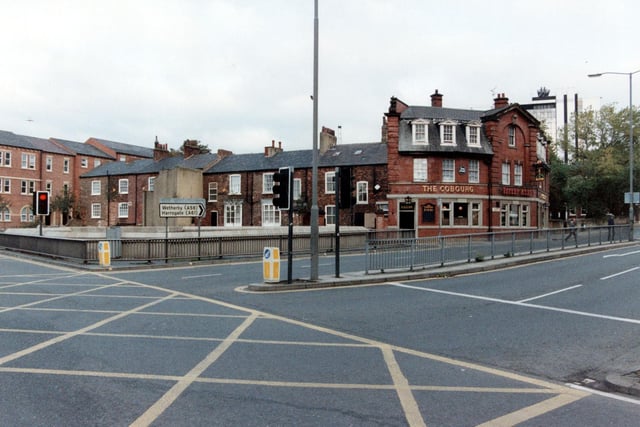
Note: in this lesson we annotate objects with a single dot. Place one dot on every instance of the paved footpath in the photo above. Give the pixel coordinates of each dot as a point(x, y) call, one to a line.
point(81, 347)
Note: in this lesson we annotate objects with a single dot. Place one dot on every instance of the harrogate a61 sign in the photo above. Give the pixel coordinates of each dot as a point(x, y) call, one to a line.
point(176, 208)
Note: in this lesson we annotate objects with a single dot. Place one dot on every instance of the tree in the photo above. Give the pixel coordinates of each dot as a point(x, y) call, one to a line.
point(597, 174)
point(4, 204)
point(63, 202)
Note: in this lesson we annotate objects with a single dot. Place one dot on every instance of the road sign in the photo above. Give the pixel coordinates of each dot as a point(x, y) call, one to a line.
point(174, 208)
point(636, 197)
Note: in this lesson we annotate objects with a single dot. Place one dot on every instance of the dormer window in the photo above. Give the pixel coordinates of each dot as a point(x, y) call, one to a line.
point(473, 134)
point(420, 132)
point(448, 133)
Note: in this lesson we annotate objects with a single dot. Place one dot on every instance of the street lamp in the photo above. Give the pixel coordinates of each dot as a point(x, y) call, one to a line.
point(631, 215)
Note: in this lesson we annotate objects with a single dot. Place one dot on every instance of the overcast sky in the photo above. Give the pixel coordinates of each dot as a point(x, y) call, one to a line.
point(236, 74)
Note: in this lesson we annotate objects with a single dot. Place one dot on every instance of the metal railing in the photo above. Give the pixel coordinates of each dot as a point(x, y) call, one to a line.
point(384, 249)
point(176, 249)
point(412, 253)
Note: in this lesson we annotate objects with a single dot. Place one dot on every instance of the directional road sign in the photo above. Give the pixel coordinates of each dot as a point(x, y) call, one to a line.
point(173, 208)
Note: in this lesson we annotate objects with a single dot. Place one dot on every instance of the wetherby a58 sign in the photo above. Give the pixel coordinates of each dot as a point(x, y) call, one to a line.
point(174, 208)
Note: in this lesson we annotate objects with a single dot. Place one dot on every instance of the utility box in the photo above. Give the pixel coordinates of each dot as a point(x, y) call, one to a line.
point(271, 265)
point(104, 254)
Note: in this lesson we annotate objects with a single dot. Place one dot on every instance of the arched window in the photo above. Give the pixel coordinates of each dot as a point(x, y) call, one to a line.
point(26, 214)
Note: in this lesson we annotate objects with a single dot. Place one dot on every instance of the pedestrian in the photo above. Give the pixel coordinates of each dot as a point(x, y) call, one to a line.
point(572, 230)
point(611, 227)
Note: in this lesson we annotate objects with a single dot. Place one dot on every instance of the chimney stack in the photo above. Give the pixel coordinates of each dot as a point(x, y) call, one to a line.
point(272, 151)
point(501, 101)
point(160, 151)
point(436, 99)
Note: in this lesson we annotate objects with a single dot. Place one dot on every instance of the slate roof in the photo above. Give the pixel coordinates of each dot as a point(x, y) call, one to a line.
point(150, 166)
point(435, 115)
point(120, 147)
point(83, 149)
point(10, 139)
point(342, 155)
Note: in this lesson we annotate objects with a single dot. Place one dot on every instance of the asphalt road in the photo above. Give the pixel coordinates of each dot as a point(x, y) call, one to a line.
point(184, 346)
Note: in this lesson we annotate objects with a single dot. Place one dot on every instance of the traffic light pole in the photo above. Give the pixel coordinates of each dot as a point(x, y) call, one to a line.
point(337, 188)
point(290, 236)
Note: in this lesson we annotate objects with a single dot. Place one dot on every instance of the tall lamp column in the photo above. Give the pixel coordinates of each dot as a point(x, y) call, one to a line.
point(631, 214)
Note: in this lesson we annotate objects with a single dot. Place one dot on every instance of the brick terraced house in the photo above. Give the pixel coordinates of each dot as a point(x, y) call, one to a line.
point(239, 188)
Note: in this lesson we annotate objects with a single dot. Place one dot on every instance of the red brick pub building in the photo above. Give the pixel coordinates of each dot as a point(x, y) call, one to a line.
point(454, 171)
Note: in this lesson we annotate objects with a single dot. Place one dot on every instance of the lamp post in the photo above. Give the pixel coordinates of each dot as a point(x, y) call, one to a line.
point(631, 215)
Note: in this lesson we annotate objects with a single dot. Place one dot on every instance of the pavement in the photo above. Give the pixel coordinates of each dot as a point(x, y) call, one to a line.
point(620, 382)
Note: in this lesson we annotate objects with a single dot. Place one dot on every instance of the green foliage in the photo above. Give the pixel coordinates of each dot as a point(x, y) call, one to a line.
point(63, 202)
point(597, 175)
point(4, 204)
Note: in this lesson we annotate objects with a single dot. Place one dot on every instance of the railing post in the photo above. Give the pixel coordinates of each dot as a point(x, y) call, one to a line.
point(493, 245)
point(413, 253)
point(441, 250)
point(548, 239)
point(469, 248)
point(513, 242)
point(531, 242)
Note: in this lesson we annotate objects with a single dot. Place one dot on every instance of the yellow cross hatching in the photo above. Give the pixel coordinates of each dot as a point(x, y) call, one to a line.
point(402, 381)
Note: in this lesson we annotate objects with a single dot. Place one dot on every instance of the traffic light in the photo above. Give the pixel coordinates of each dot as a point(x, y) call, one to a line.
point(347, 198)
point(281, 188)
point(41, 204)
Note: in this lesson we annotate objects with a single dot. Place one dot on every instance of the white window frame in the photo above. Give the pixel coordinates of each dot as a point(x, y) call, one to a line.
point(474, 171)
point(5, 215)
point(151, 183)
point(512, 136)
point(84, 162)
point(506, 173)
point(5, 159)
point(27, 187)
point(212, 192)
point(267, 183)
point(96, 210)
point(330, 213)
point(233, 215)
point(362, 192)
point(28, 161)
point(514, 214)
point(48, 163)
point(420, 132)
point(123, 210)
point(48, 186)
point(123, 186)
point(517, 175)
point(448, 170)
point(270, 214)
point(235, 184)
point(5, 185)
point(26, 214)
point(448, 124)
point(330, 182)
point(96, 162)
point(96, 187)
point(297, 189)
point(473, 134)
point(420, 170)
point(66, 165)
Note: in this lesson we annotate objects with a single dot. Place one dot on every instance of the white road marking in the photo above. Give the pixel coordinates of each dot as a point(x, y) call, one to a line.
point(202, 275)
point(550, 293)
point(619, 274)
point(602, 393)
point(521, 304)
point(621, 255)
